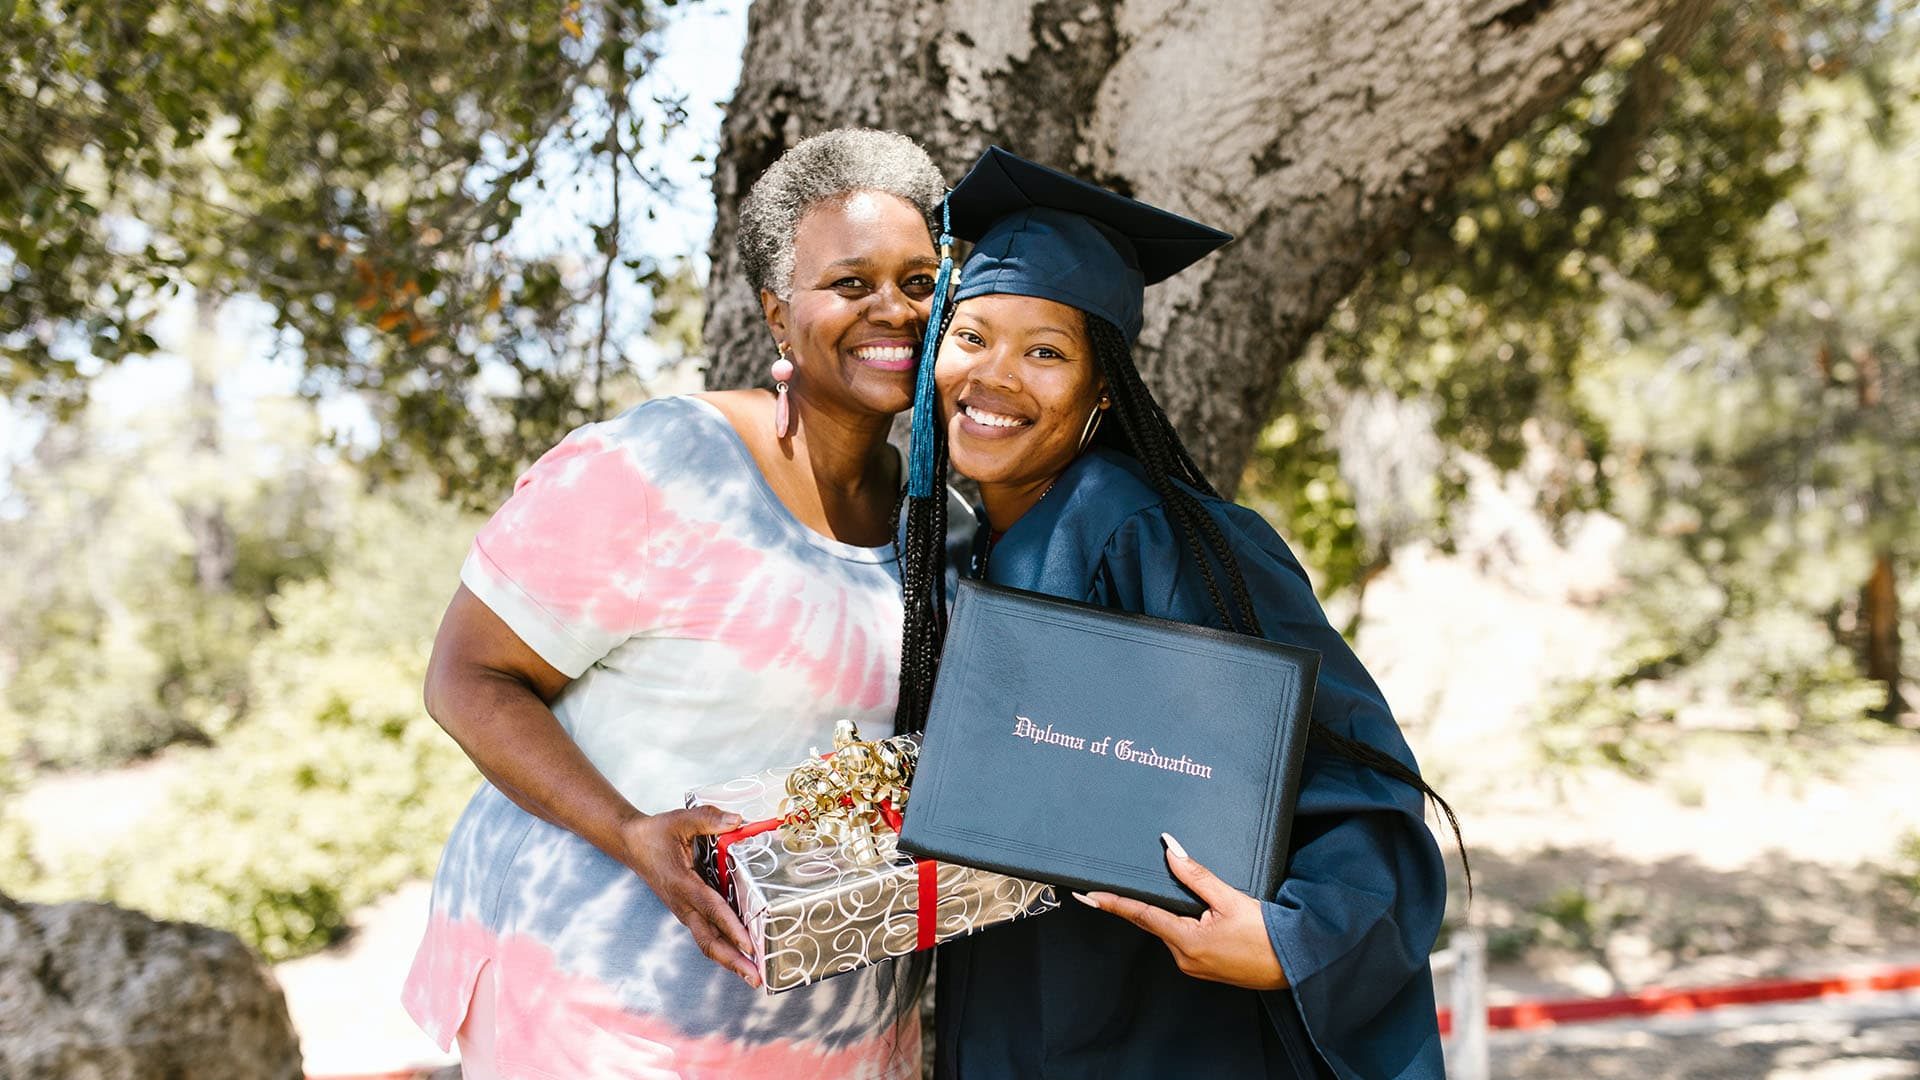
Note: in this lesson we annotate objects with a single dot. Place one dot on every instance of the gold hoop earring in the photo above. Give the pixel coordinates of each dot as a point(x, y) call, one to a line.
point(1093, 424)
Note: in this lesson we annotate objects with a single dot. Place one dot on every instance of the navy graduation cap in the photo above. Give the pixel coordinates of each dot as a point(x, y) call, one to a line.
point(1040, 232)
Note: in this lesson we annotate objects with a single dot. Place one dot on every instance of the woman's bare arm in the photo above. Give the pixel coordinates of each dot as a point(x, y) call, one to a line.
point(490, 691)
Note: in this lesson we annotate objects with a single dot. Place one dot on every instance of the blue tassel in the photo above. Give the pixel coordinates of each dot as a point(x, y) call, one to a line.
point(920, 479)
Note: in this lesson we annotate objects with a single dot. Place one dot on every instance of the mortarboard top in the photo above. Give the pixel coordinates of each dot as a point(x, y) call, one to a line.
point(1040, 232)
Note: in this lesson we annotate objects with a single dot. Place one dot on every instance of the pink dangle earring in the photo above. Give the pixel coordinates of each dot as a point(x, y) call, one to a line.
point(782, 374)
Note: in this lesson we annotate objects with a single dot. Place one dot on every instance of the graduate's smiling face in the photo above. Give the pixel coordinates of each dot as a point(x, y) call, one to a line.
point(1018, 381)
point(863, 270)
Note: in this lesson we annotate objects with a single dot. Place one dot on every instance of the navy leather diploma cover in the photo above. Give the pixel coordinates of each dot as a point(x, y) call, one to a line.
point(1064, 738)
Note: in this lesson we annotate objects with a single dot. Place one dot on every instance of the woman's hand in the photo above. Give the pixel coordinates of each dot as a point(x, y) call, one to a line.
point(659, 848)
point(1228, 943)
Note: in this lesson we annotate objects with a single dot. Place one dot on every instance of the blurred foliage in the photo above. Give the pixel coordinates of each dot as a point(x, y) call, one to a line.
point(1295, 478)
point(123, 631)
point(340, 788)
point(1904, 876)
point(1578, 918)
point(1489, 310)
point(334, 786)
point(1768, 463)
point(16, 840)
point(1689, 297)
point(361, 167)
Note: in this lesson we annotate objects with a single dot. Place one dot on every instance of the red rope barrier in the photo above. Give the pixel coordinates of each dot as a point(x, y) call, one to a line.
point(1667, 1002)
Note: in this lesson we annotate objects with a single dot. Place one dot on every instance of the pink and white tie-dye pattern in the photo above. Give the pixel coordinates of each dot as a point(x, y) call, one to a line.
point(707, 633)
point(588, 486)
point(657, 570)
point(552, 1022)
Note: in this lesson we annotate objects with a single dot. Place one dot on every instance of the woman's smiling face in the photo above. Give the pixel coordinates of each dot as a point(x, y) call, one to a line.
point(1018, 381)
point(863, 269)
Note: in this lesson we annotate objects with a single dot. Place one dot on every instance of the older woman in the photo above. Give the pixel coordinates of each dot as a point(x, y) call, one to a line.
point(691, 591)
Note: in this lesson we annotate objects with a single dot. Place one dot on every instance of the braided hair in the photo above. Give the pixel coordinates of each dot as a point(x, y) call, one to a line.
point(923, 585)
point(1146, 434)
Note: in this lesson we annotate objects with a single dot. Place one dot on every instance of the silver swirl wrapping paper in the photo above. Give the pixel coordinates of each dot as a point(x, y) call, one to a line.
point(818, 913)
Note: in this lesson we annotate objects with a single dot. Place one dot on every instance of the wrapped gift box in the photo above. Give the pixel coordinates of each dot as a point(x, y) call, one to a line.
point(817, 878)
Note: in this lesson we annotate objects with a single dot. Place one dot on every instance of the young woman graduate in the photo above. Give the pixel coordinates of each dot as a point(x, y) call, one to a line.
point(1090, 495)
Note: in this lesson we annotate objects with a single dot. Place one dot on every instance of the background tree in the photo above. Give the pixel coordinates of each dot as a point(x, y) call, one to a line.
point(1314, 131)
point(142, 551)
point(359, 166)
point(1767, 464)
point(1526, 320)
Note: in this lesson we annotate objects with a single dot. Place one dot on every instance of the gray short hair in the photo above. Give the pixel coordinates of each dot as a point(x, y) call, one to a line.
point(830, 165)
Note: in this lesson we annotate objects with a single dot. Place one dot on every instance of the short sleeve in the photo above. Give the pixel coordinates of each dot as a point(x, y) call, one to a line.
point(563, 562)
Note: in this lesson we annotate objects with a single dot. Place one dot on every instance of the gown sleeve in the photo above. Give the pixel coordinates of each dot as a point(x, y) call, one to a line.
point(1360, 907)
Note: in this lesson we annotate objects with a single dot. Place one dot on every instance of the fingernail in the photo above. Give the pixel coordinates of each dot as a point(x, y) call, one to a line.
point(1085, 899)
point(1173, 846)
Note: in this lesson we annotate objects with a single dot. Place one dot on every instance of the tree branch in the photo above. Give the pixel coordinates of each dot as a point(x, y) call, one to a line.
point(1595, 181)
point(610, 244)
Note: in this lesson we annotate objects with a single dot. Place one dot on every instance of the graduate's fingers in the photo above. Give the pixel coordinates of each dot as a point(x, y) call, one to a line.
point(1212, 891)
point(1173, 929)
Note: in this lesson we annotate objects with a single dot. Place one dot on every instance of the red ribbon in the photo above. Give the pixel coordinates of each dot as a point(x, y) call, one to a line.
point(927, 878)
point(727, 839)
point(926, 871)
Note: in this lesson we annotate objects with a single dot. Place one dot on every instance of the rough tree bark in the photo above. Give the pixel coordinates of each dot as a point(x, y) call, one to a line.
point(1313, 130)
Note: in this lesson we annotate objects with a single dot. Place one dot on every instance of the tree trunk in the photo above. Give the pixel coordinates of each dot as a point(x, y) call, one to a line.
point(203, 508)
point(1880, 614)
point(1314, 130)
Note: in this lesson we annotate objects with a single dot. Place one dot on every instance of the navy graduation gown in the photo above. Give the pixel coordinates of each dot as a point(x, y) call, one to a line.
point(1081, 993)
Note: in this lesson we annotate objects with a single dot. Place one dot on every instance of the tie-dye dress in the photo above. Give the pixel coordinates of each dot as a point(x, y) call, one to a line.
point(709, 634)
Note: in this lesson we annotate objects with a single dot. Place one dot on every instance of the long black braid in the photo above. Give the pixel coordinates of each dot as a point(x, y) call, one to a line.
point(1145, 433)
point(923, 584)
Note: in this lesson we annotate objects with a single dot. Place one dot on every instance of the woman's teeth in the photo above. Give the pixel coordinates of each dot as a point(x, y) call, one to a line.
point(884, 354)
point(987, 419)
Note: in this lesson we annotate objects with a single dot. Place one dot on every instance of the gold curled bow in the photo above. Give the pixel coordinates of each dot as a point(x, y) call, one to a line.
point(836, 800)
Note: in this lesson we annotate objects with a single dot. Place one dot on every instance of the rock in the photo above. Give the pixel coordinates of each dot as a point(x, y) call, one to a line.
point(95, 992)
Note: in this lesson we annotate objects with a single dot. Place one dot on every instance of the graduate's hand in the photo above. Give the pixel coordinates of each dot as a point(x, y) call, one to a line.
point(1228, 943)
